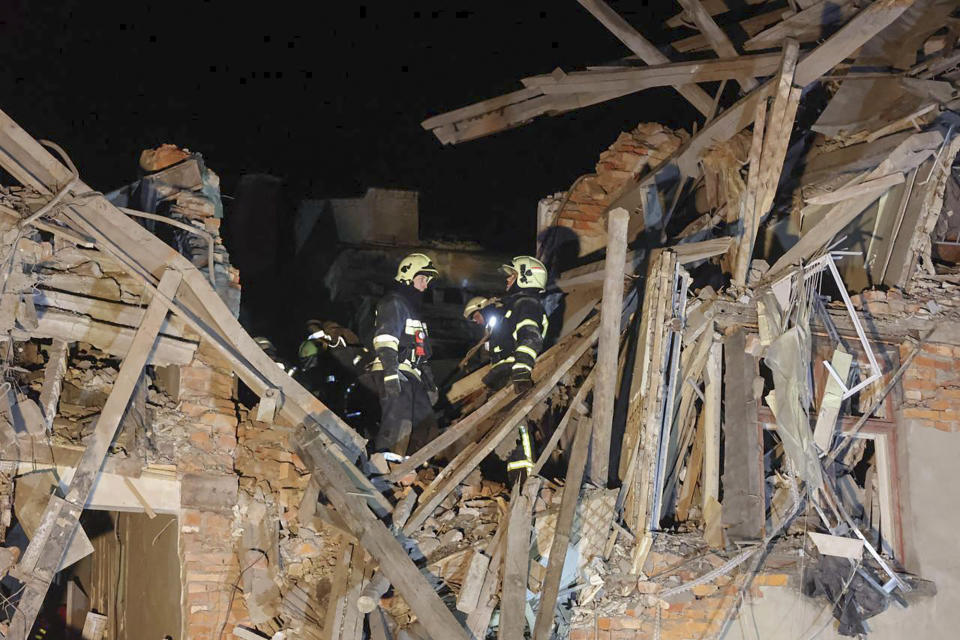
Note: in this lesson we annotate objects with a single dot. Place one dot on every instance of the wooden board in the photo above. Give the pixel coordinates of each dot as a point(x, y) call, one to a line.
point(718, 40)
point(644, 49)
point(516, 563)
point(587, 336)
point(870, 21)
point(611, 310)
point(375, 538)
point(743, 481)
point(561, 537)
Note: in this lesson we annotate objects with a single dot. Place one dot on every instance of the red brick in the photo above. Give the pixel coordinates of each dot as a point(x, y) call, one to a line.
point(945, 426)
point(926, 414)
point(771, 579)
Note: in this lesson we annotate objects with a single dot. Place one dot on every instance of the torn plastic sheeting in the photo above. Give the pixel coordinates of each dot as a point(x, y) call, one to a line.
point(788, 357)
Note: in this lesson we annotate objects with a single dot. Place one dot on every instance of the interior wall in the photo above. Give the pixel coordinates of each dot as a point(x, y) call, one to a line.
point(930, 520)
point(133, 574)
point(151, 577)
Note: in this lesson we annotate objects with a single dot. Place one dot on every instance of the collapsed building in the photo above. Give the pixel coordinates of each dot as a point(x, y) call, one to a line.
point(743, 425)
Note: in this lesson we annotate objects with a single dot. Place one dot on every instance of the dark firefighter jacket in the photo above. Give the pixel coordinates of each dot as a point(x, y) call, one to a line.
point(400, 337)
point(518, 338)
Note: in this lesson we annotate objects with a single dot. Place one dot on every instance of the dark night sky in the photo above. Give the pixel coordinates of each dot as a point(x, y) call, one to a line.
point(328, 97)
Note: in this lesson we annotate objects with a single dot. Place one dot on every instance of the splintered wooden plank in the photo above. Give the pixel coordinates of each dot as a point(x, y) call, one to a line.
point(805, 26)
point(718, 40)
point(867, 187)
point(516, 563)
point(750, 26)
point(764, 174)
point(743, 482)
point(587, 337)
point(866, 24)
point(611, 310)
point(561, 535)
point(338, 587)
point(741, 253)
point(478, 620)
point(373, 536)
point(664, 75)
point(694, 466)
point(713, 7)
point(713, 380)
point(61, 518)
point(479, 108)
point(644, 49)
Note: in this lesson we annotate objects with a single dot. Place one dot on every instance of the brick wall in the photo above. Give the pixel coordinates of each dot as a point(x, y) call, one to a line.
point(631, 155)
point(931, 387)
point(210, 568)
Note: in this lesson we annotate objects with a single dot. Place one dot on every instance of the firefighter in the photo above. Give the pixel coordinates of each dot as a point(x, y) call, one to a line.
point(516, 342)
point(405, 380)
point(484, 314)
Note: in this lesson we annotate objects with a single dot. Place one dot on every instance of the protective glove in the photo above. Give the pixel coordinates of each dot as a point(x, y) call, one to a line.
point(391, 386)
point(522, 381)
point(495, 379)
point(433, 395)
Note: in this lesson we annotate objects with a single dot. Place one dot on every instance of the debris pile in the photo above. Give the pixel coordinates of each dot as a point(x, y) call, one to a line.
point(755, 313)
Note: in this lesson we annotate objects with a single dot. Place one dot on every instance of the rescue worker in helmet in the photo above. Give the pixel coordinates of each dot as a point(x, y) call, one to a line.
point(271, 350)
point(484, 314)
point(517, 340)
point(515, 344)
point(405, 381)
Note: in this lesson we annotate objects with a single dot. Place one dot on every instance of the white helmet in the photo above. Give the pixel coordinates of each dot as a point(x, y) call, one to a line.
point(414, 265)
point(531, 274)
point(476, 303)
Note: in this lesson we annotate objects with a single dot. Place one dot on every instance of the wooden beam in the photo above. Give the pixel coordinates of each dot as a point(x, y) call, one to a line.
point(611, 310)
point(750, 26)
point(716, 37)
point(61, 518)
point(544, 367)
point(115, 340)
point(741, 252)
point(587, 336)
point(516, 563)
point(874, 187)
point(866, 24)
point(713, 379)
point(805, 26)
point(561, 533)
point(663, 75)
point(375, 538)
point(743, 483)
point(766, 171)
point(643, 48)
point(453, 433)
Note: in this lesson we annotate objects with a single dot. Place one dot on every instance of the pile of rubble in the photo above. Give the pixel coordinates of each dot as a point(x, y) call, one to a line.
point(751, 311)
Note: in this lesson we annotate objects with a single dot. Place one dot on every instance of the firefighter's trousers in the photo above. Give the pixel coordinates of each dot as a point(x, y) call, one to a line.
point(407, 421)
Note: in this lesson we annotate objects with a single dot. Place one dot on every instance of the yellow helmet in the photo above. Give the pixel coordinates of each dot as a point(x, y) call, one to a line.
point(476, 303)
point(414, 265)
point(531, 274)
